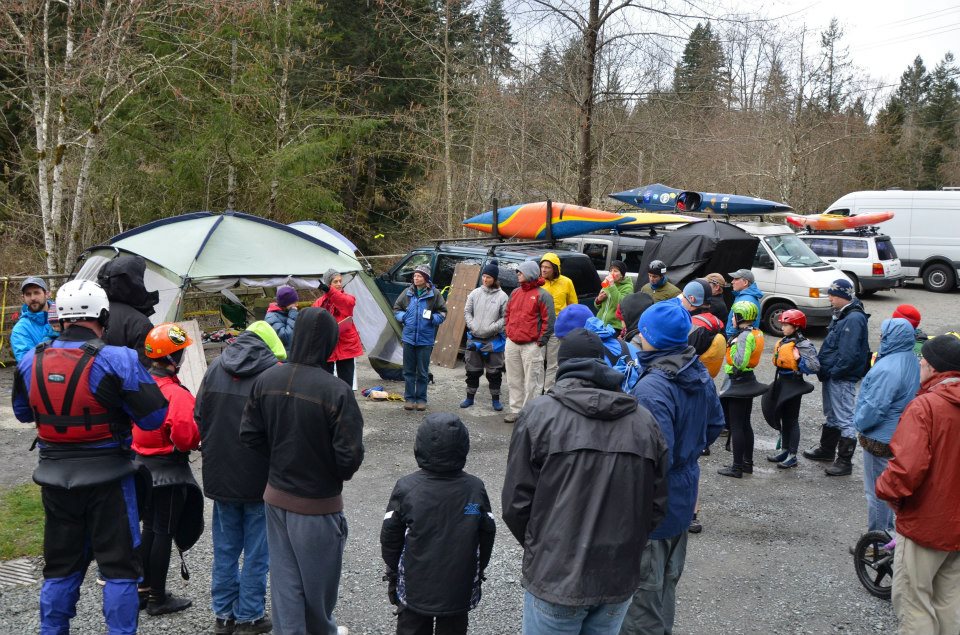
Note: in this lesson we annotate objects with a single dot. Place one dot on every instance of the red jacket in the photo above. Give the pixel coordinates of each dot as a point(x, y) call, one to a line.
point(340, 306)
point(922, 480)
point(179, 429)
point(529, 315)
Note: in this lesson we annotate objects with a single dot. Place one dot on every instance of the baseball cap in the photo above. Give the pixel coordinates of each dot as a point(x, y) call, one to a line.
point(35, 281)
point(746, 274)
point(717, 278)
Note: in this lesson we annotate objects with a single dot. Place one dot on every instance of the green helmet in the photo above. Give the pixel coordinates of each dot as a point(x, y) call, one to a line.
point(744, 311)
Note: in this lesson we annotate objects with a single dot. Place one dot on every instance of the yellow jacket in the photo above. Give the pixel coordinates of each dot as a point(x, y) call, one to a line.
point(561, 287)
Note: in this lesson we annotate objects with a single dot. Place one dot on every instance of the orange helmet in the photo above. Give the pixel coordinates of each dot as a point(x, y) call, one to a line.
point(165, 339)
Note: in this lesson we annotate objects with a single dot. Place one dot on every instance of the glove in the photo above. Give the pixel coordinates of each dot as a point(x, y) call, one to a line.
point(390, 578)
point(323, 287)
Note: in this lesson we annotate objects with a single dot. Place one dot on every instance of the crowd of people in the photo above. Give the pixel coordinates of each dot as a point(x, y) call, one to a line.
point(601, 485)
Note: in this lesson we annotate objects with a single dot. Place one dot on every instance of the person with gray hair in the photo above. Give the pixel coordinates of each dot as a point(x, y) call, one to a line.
point(529, 321)
point(340, 305)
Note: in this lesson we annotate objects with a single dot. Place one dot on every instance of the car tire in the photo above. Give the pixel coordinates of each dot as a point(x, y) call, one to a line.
point(939, 278)
point(856, 282)
point(771, 317)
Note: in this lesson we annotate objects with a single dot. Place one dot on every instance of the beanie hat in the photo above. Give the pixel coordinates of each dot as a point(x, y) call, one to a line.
point(286, 295)
point(492, 269)
point(841, 288)
point(665, 325)
point(942, 352)
point(423, 270)
point(621, 265)
point(572, 316)
point(909, 313)
point(329, 276)
point(632, 307)
point(530, 270)
point(578, 344)
point(695, 289)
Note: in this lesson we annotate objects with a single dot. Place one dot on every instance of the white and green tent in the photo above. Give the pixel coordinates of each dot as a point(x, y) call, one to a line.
point(213, 252)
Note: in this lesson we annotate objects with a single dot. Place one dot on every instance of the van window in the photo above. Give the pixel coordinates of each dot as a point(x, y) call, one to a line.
point(885, 249)
point(443, 272)
point(761, 259)
point(792, 252)
point(855, 249)
point(826, 247)
point(404, 272)
point(597, 252)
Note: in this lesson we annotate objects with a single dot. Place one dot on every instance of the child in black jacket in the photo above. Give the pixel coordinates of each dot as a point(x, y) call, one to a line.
point(438, 533)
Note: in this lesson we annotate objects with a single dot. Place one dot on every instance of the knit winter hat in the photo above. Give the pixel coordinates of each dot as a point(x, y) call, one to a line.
point(286, 295)
point(695, 289)
point(841, 288)
point(909, 313)
point(329, 276)
point(530, 270)
point(943, 352)
point(579, 344)
point(572, 316)
point(492, 269)
point(621, 265)
point(665, 325)
point(423, 270)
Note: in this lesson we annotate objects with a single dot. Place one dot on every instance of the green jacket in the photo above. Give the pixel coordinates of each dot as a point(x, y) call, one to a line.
point(667, 291)
point(744, 351)
point(607, 310)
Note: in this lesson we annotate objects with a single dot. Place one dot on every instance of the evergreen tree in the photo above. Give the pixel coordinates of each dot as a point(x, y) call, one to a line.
point(834, 75)
point(496, 39)
point(940, 116)
point(699, 78)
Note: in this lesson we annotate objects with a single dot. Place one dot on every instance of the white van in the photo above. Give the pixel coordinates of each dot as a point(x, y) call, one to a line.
point(925, 230)
point(790, 275)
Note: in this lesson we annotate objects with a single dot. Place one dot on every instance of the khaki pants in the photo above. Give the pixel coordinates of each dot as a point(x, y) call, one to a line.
point(550, 352)
point(926, 589)
point(524, 373)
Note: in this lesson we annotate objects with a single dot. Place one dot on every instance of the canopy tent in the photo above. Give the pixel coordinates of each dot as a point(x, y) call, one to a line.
point(218, 251)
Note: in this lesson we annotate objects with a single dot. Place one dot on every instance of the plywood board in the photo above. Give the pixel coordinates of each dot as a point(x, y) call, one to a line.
point(194, 362)
point(450, 333)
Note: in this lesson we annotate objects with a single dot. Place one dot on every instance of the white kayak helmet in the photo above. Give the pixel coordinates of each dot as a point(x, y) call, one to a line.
point(82, 300)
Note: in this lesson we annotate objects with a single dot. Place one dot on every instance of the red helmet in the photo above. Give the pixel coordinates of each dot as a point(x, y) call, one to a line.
point(794, 317)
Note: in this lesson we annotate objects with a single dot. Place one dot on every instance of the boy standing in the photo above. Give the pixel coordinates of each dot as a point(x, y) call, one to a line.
point(437, 534)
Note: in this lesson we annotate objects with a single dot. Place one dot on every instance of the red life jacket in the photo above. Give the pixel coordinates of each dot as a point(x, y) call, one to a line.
point(64, 409)
point(708, 321)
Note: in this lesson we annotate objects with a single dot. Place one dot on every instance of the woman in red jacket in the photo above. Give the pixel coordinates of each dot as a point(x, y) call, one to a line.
point(176, 499)
point(340, 305)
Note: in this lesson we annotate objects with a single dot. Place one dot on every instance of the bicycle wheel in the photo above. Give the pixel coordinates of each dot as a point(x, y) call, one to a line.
point(874, 564)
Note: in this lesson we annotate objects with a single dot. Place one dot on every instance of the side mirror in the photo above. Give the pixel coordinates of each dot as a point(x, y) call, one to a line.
point(764, 261)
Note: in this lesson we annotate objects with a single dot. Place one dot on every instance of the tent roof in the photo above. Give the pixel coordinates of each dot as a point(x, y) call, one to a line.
point(206, 245)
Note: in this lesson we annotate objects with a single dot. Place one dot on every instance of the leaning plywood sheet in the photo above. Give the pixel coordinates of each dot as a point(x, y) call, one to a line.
point(450, 332)
point(194, 363)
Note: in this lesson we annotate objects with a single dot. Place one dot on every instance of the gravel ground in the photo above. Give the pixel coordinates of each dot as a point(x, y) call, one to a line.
point(772, 557)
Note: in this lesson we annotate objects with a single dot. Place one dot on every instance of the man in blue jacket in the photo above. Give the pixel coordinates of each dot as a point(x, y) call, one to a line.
point(886, 390)
point(33, 326)
point(678, 391)
point(745, 289)
point(619, 355)
point(844, 357)
point(421, 309)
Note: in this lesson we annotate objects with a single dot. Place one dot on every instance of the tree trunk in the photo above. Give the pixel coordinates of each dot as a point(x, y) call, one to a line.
point(447, 140)
point(231, 165)
point(282, 99)
point(73, 237)
point(586, 151)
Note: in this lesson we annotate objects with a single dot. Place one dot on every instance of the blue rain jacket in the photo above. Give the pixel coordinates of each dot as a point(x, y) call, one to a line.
point(845, 352)
point(409, 308)
point(31, 329)
point(891, 383)
point(750, 294)
point(625, 358)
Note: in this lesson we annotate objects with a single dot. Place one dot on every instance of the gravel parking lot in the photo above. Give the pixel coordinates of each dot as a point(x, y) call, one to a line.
point(772, 557)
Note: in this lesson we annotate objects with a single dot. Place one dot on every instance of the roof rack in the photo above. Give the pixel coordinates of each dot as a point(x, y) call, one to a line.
point(863, 230)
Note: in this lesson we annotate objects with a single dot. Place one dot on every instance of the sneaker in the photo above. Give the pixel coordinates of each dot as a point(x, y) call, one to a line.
point(168, 604)
point(343, 630)
point(731, 470)
point(725, 432)
point(787, 463)
point(100, 579)
point(497, 405)
point(778, 457)
point(263, 625)
point(421, 406)
point(224, 627)
point(510, 417)
point(695, 526)
point(466, 403)
point(408, 405)
point(706, 451)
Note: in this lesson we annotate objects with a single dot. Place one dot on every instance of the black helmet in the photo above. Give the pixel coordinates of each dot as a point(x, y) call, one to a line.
point(658, 267)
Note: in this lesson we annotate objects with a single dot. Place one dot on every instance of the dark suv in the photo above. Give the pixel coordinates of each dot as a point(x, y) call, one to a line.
point(443, 257)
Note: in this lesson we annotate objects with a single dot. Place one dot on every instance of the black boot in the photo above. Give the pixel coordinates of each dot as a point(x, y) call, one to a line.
point(736, 471)
point(843, 466)
point(748, 467)
point(161, 604)
point(829, 436)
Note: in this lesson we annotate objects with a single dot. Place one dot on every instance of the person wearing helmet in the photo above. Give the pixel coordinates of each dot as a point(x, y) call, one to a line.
point(745, 289)
point(741, 386)
point(658, 287)
point(175, 509)
point(794, 356)
point(84, 396)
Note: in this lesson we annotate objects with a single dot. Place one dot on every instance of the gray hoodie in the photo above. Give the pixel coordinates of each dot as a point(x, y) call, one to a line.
point(485, 311)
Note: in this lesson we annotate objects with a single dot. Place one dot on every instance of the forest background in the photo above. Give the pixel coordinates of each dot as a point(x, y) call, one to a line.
point(393, 120)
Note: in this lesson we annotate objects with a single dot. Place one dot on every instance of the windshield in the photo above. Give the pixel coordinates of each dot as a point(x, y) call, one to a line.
point(792, 252)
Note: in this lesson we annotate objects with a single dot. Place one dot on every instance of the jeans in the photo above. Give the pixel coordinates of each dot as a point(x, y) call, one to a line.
point(879, 515)
point(416, 369)
point(839, 399)
point(239, 593)
point(653, 608)
point(545, 618)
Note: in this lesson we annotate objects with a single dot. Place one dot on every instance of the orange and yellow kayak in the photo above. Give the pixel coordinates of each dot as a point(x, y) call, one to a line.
point(530, 220)
point(838, 222)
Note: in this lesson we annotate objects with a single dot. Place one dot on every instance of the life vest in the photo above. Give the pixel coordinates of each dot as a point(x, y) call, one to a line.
point(64, 409)
point(783, 355)
point(712, 358)
point(708, 321)
point(757, 350)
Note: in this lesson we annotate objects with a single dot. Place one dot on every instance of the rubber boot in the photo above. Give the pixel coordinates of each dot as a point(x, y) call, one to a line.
point(496, 404)
point(162, 604)
point(826, 451)
point(843, 466)
point(466, 403)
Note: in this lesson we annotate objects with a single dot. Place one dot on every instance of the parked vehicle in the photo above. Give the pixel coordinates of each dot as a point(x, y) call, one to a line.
point(602, 249)
point(925, 230)
point(869, 259)
point(443, 257)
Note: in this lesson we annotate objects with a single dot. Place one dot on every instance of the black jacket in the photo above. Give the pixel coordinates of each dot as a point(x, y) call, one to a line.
point(718, 307)
point(305, 419)
point(585, 484)
point(131, 305)
point(232, 472)
point(438, 531)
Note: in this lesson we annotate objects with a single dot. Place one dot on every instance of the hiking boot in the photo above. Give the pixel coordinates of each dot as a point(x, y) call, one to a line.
point(725, 432)
point(409, 405)
point(510, 417)
point(778, 457)
point(224, 627)
point(421, 406)
point(735, 471)
point(466, 403)
point(497, 405)
point(747, 467)
point(827, 449)
point(143, 596)
point(168, 603)
point(263, 625)
point(787, 463)
point(843, 465)
point(695, 526)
